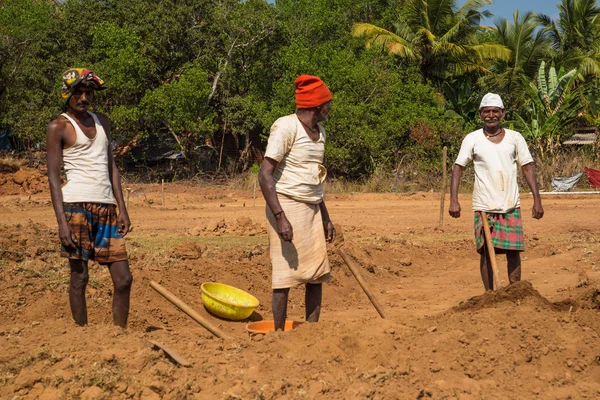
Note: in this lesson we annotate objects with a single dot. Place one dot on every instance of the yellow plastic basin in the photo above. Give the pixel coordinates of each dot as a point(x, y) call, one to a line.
point(227, 301)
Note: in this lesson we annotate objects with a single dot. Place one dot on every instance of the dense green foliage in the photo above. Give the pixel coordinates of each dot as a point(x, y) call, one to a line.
point(406, 75)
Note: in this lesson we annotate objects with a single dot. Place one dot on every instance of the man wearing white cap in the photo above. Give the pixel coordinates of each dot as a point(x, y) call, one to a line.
point(495, 152)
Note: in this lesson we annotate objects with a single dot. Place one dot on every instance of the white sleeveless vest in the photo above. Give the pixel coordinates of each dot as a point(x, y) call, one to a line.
point(86, 167)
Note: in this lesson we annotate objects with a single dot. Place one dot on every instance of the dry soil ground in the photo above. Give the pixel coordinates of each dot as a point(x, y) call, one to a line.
point(444, 338)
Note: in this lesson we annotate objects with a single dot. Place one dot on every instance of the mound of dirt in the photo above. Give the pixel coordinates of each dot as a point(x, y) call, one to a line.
point(517, 343)
point(243, 226)
point(29, 182)
point(29, 240)
point(518, 293)
point(188, 250)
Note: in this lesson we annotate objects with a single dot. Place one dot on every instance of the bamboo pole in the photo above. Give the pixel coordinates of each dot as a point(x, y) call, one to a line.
point(127, 198)
point(163, 193)
point(490, 248)
point(177, 302)
point(362, 282)
point(444, 184)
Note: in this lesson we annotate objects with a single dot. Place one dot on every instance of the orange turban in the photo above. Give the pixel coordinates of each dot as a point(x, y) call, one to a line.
point(311, 91)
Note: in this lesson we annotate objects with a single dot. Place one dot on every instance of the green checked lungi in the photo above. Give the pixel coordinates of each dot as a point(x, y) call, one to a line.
point(506, 230)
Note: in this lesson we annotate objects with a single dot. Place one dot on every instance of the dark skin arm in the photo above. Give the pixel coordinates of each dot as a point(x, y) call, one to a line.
point(327, 224)
point(54, 146)
point(267, 186)
point(123, 222)
point(538, 211)
point(454, 209)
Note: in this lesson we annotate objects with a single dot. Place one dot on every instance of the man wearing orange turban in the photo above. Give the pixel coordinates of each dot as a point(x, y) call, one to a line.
point(291, 178)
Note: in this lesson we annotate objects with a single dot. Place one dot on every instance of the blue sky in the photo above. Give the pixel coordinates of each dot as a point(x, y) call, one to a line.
point(505, 8)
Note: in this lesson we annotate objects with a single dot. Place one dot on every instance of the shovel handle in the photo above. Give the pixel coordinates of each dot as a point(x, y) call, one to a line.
point(361, 282)
point(490, 247)
point(177, 302)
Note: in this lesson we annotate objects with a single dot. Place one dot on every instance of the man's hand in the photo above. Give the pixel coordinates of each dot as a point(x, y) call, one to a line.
point(538, 211)
point(123, 224)
point(284, 228)
point(454, 209)
point(66, 235)
point(329, 231)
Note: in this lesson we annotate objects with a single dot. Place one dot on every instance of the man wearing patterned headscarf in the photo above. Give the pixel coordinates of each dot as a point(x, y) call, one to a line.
point(291, 178)
point(86, 207)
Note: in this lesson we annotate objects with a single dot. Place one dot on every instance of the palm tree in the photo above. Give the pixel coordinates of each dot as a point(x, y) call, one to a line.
point(576, 35)
point(528, 46)
point(438, 36)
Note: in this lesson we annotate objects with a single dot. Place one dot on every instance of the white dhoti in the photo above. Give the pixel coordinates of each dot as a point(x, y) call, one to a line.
point(304, 259)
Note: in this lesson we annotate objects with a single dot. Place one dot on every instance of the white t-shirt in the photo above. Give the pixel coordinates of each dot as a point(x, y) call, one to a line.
point(300, 173)
point(496, 189)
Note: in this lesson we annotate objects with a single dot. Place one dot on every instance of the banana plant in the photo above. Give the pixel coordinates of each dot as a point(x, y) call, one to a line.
point(553, 106)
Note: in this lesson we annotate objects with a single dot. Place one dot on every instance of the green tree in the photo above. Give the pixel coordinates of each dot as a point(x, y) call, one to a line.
point(438, 36)
point(552, 108)
point(180, 106)
point(375, 102)
point(576, 35)
point(528, 46)
point(240, 57)
point(27, 66)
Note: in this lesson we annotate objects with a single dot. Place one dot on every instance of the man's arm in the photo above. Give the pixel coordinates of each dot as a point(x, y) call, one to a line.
point(327, 224)
point(267, 186)
point(54, 144)
point(454, 208)
point(538, 211)
point(123, 222)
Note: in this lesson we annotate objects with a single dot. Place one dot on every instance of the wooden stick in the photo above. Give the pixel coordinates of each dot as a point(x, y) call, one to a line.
point(127, 199)
point(444, 183)
point(163, 193)
point(188, 310)
point(490, 248)
point(171, 353)
point(361, 282)
point(254, 202)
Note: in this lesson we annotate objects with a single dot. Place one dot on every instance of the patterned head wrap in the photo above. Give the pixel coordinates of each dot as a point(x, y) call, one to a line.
point(76, 76)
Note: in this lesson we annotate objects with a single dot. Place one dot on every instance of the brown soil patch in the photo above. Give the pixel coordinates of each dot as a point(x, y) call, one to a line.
point(28, 181)
point(444, 337)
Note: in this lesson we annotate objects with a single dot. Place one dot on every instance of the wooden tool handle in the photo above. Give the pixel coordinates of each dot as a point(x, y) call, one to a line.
point(490, 247)
point(361, 282)
point(188, 310)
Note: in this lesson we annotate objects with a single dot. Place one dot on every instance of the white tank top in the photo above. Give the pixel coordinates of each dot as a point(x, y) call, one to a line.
point(86, 167)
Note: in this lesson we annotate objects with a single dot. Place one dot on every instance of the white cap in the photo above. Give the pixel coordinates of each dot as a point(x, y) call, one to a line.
point(491, 100)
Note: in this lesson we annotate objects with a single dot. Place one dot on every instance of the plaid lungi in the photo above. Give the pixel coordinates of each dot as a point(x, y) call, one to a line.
point(506, 230)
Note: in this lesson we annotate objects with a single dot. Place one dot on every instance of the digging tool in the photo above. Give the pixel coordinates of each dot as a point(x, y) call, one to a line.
point(171, 353)
point(490, 248)
point(361, 282)
point(444, 184)
point(188, 310)
point(127, 199)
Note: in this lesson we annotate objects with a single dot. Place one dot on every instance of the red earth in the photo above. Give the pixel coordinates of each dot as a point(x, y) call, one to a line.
point(444, 337)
